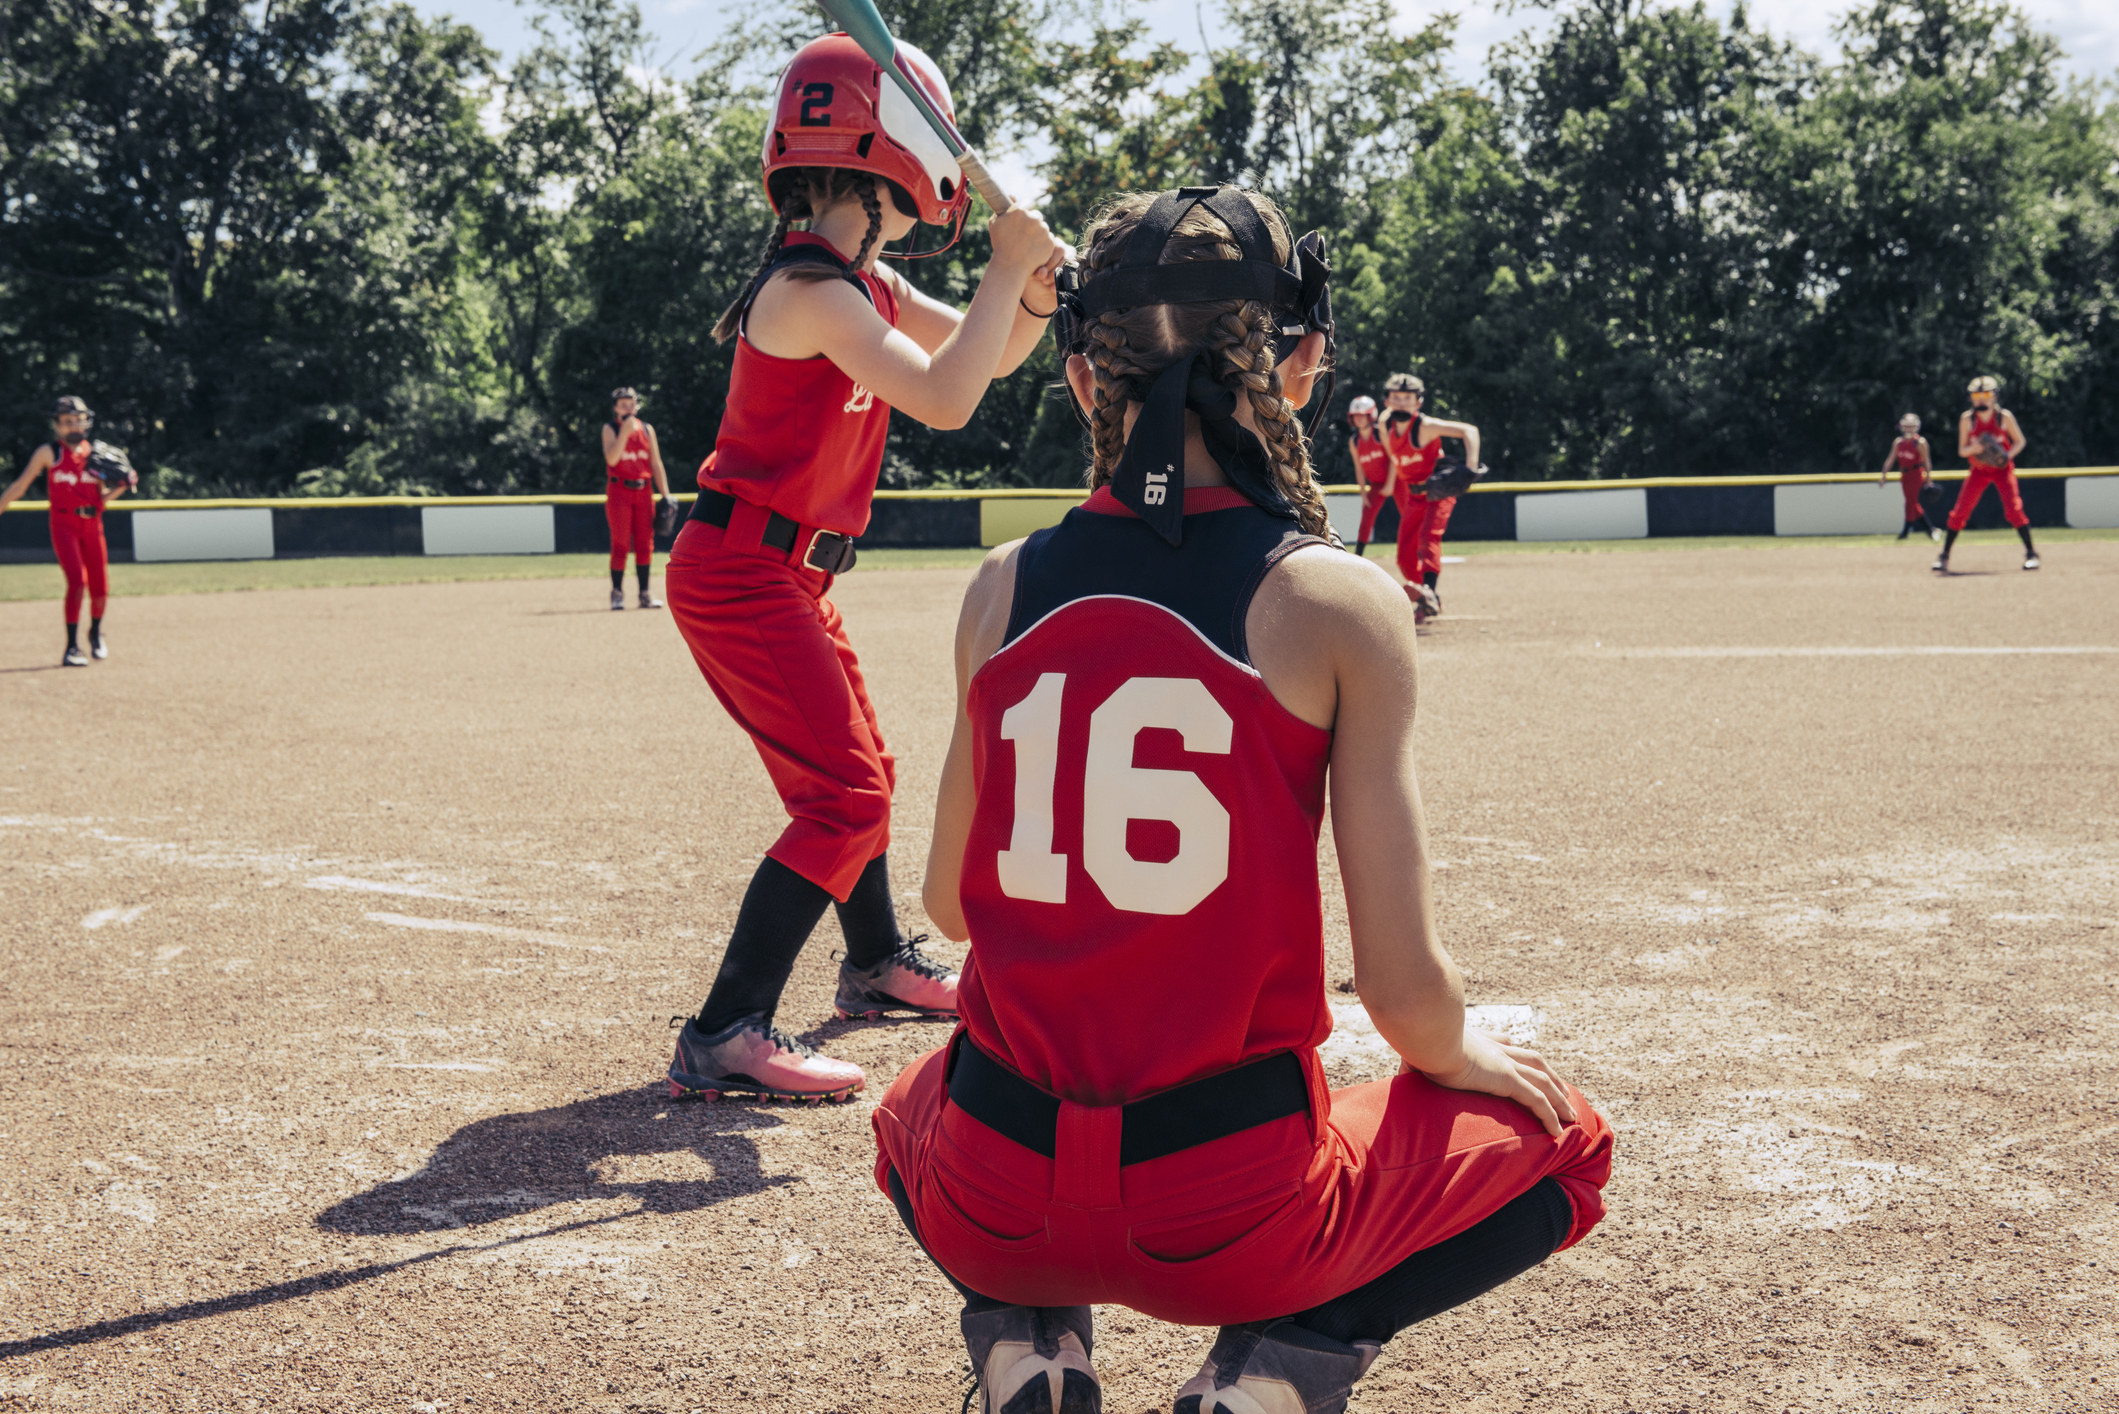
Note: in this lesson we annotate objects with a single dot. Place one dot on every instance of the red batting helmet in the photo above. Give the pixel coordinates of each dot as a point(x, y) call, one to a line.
point(835, 108)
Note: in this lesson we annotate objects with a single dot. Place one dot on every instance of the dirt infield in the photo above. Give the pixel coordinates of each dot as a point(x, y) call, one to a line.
point(340, 929)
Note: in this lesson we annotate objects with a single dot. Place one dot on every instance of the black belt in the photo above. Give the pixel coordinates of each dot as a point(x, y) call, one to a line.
point(85, 512)
point(639, 485)
point(828, 552)
point(1175, 1120)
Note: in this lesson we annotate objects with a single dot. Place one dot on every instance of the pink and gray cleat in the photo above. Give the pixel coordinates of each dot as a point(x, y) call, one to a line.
point(751, 1058)
point(1034, 1360)
point(907, 980)
point(1276, 1369)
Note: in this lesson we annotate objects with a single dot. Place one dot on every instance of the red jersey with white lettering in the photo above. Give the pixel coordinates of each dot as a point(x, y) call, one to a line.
point(1416, 463)
point(799, 436)
point(1372, 461)
point(1906, 451)
point(1141, 876)
point(634, 463)
point(1982, 425)
point(70, 486)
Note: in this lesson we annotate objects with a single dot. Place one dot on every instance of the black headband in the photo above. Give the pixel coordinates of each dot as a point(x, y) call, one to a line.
point(1149, 478)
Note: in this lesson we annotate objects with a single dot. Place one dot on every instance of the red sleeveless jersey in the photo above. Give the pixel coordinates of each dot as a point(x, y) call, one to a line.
point(1141, 876)
point(1371, 460)
point(1907, 452)
point(1981, 426)
point(70, 485)
point(1420, 461)
point(634, 463)
point(799, 436)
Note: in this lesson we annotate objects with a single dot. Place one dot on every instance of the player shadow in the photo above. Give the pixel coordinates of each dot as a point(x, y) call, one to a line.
point(39, 668)
point(592, 1150)
point(498, 1170)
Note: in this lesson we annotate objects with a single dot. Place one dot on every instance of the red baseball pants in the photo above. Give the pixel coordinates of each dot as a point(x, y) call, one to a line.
point(1371, 507)
point(631, 516)
point(2003, 480)
point(774, 650)
point(84, 559)
point(1420, 526)
point(1261, 1223)
point(1910, 484)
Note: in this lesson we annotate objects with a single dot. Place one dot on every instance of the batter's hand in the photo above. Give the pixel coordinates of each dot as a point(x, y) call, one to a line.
point(1492, 1066)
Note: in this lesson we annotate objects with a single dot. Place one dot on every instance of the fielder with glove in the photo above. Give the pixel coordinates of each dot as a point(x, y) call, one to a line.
point(632, 462)
point(82, 476)
point(1989, 438)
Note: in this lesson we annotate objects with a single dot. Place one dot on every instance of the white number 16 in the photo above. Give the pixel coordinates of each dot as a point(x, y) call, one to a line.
point(1114, 791)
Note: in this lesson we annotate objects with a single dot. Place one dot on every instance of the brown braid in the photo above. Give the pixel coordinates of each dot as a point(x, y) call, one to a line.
point(802, 192)
point(1127, 348)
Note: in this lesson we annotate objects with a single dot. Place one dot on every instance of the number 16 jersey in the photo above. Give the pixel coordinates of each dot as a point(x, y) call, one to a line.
point(1141, 876)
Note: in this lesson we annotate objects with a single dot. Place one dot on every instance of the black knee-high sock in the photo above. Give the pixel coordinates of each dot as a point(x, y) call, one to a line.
point(1949, 543)
point(2023, 533)
point(618, 578)
point(780, 910)
point(1434, 1279)
point(1361, 548)
point(641, 573)
point(95, 629)
point(1432, 578)
point(869, 918)
point(73, 635)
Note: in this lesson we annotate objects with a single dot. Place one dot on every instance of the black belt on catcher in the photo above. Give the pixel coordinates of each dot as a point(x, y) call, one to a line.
point(828, 552)
point(640, 485)
point(1175, 1120)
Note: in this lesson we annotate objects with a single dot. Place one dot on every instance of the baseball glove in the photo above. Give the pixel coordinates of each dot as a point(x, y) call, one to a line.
point(666, 516)
point(1994, 448)
point(1451, 478)
point(110, 465)
point(1932, 495)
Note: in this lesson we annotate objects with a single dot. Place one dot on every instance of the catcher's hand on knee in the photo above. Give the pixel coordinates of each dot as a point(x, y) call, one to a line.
point(1492, 1066)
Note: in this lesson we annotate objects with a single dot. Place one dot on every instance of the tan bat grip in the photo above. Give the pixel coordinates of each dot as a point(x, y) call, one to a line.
point(983, 183)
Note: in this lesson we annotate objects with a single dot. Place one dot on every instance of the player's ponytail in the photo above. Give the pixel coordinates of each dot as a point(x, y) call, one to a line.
point(1127, 348)
point(807, 190)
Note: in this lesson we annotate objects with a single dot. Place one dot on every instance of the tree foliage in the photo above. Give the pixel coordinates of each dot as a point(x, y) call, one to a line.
point(329, 245)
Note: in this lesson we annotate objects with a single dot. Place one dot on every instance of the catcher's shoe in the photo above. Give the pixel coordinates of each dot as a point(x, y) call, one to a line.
point(1276, 1369)
point(74, 658)
point(618, 598)
point(2030, 562)
point(907, 980)
point(1034, 1360)
point(649, 601)
point(98, 646)
point(751, 1058)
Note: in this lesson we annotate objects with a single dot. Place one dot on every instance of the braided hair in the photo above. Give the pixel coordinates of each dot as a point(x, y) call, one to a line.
point(801, 192)
point(1127, 348)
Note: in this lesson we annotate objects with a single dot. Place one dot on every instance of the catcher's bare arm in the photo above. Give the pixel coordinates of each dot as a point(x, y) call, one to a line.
point(39, 462)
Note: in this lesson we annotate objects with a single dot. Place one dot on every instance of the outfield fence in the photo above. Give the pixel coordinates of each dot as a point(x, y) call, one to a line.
point(301, 527)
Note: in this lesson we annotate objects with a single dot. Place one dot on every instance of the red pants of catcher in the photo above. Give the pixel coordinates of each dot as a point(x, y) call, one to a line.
point(1910, 485)
point(2003, 480)
point(774, 651)
point(85, 561)
point(631, 516)
point(1420, 526)
point(1262, 1223)
point(1371, 507)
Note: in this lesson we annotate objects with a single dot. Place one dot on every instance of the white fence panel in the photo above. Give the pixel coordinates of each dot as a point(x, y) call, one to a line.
point(1839, 508)
point(487, 530)
point(2093, 502)
point(1583, 515)
point(226, 533)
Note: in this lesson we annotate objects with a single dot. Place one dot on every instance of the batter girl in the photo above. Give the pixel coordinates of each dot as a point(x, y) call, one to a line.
point(826, 346)
point(1153, 698)
point(1372, 465)
point(77, 498)
point(633, 480)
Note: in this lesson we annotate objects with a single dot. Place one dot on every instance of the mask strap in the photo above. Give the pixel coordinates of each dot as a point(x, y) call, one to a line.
point(1149, 479)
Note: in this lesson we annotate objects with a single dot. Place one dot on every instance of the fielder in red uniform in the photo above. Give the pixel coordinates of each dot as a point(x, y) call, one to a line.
point(1989, 438)
point(1416, 445)
point(826, 346)
point(1909, 456)
point(1156, 699)
point(633, 481)
point(1372, 466)
point(77, 498)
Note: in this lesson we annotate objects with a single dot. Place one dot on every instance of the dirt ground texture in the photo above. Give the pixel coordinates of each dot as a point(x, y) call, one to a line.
point(341, 929)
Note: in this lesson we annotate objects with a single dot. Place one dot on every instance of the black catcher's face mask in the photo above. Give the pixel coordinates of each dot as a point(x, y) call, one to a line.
point(1149, 479)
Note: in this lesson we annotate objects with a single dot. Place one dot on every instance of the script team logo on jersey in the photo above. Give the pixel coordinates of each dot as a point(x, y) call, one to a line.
point(860, 400)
